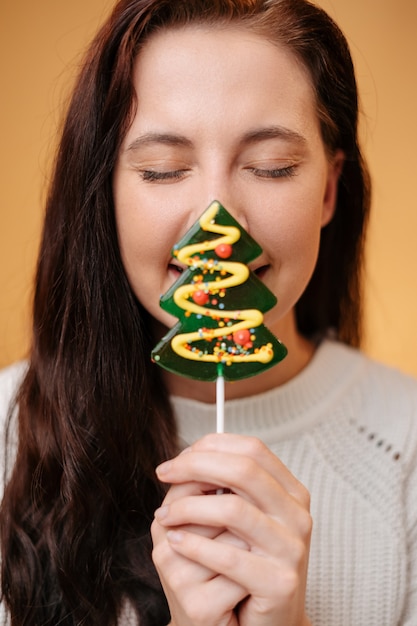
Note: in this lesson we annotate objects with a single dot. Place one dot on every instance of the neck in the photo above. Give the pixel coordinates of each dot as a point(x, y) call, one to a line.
point(300, 352)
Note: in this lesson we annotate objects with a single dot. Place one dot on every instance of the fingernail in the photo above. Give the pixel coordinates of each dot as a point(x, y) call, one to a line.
point(175, 536)
point(163, 468)
point(161, 513)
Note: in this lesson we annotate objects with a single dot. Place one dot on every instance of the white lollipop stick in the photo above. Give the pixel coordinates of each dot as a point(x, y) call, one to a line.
point(220, 404)
point(220, 410)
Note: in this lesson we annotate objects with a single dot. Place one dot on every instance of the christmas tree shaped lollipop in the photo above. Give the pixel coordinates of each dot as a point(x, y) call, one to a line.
point(220, 333)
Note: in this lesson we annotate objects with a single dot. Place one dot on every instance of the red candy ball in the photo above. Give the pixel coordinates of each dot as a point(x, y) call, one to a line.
point(241, 337)
point(224, 250)
point(200, 297)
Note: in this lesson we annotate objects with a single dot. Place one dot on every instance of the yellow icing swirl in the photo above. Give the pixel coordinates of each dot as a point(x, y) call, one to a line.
point(238, 273)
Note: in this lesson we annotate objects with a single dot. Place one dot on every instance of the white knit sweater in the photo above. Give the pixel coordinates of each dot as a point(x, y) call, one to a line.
point(347, 428)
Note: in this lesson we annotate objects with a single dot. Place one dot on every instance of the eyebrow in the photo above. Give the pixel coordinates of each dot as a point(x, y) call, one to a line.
point(273, 132)
point(252, 136)
point(167, 139)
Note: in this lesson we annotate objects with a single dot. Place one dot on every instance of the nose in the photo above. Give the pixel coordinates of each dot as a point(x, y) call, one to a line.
point(236, 210)
point(226, 191)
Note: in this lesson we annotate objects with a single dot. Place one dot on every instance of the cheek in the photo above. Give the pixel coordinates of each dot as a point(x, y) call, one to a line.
point(140, 240)
point(137, 228)
point(294, 231)
point(302, 237)
point(292, 245)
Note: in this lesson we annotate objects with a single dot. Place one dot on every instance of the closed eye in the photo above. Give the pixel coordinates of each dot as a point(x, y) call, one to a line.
point(162, 176)
point(282, 172)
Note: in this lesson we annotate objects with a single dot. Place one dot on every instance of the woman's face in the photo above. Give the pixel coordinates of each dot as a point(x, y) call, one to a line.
point(223, 114)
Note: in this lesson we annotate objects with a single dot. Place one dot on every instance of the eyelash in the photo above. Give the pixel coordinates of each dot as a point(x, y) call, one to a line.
point(155, 176)
point(283, 172)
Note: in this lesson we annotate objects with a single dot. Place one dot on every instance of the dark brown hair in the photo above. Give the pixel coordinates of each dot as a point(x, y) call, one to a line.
point(94, 418)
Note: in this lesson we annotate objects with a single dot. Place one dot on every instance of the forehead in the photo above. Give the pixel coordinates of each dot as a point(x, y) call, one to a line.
point(212, 47)
point(200, 76)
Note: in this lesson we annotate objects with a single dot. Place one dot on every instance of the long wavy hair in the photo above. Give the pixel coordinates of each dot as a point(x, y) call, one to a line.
point(94, 418)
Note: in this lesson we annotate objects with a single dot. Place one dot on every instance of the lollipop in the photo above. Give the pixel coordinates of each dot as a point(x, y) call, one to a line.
point(218, 336)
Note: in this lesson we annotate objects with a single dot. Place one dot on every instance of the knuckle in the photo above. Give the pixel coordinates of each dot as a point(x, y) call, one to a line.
point(179, 580)
point(208, 441)
point(160, 554)
point(303, 496)
point(234, 509)
point(283, 589)
point(305, 526)
point(247, 470)
point(290, 584)
point(255, 447)
point(298, 551)
point(298, 556)
point(228, 560)
point(155, 531)
point(198, 611)
point(265, 606)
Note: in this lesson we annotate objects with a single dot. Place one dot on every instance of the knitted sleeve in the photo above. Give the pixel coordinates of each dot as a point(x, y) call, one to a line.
point(10, 379)
point(410, 497)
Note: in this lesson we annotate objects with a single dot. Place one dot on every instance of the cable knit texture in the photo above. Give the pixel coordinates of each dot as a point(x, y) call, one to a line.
point(347, 428)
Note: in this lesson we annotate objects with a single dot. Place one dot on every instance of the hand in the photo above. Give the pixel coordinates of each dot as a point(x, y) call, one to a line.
point(239, 558)
point(195, 593)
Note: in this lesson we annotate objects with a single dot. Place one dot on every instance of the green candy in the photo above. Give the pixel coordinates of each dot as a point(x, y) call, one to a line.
point(218, 333)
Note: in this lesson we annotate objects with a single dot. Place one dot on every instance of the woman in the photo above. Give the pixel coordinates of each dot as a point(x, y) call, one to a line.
point(180, 102)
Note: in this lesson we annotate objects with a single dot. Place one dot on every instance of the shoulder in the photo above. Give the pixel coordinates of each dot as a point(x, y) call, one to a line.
point(11, 377)
point(368, 438)
point(10, 380)
point(396, 387)
point(384, 400)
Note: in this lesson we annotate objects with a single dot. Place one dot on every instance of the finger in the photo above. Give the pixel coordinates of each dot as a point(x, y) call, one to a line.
point(179, 492)
point(196, 488)
point(170, 565)
point(163, 555)
point(214, 602)
point(193, 590)
point(230, 538)
point(268, 580)
point(244, 520)
point(252, 448)
point(242, 475)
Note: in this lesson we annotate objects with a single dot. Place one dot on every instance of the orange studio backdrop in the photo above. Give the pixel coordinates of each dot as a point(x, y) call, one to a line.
point(40, 46)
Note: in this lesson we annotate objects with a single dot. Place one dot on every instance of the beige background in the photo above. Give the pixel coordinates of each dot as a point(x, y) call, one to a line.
point(40, 46)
